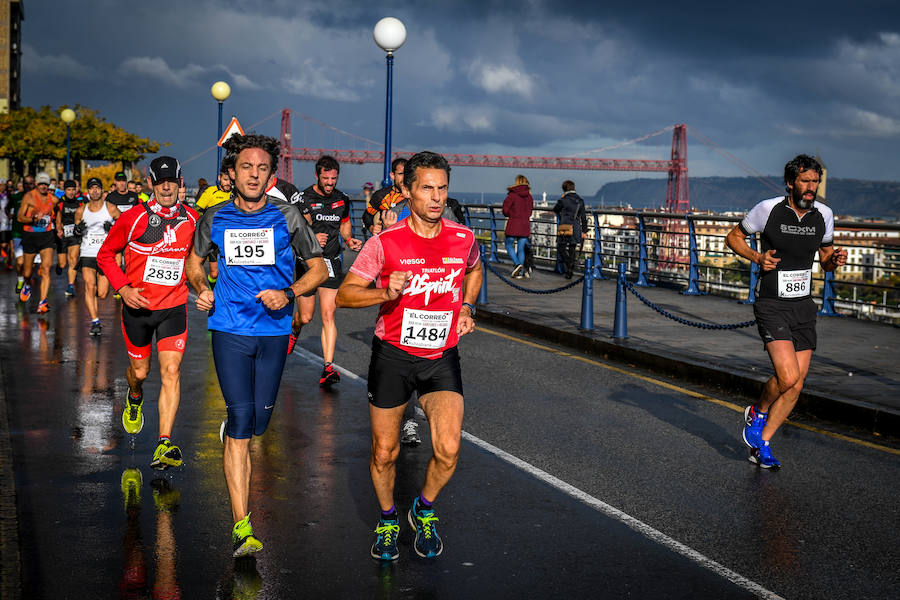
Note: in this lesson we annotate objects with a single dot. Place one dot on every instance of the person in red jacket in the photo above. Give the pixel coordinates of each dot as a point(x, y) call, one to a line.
point(517, 208)
point(156, 237)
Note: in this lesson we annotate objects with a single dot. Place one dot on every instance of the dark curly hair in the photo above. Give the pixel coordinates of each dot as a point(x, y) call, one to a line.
point(800, 163)
point(238, 143)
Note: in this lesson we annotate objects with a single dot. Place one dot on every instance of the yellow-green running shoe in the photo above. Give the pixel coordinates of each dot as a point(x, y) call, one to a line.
point(132, 417)
point(167, 455)
point(131, 487)
point(243, 539)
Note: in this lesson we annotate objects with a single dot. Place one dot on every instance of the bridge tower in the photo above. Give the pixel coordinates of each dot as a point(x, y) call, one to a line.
point(677, 192)
point(286, 168)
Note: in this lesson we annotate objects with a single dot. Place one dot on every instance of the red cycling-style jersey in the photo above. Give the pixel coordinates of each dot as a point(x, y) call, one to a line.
point(422, 320)
point(156, 241)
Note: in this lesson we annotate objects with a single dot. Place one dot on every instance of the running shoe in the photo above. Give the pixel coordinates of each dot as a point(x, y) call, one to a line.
point(25, 293)
point(527, 273)
point(167, 455)
point(165, 497)
point(132, 417)
point(243, 539)
point(19, 285)
point(330, 376)
point(754, 422)
point(131, 487)
point(292, 341)
point(385, 546)
point(70, 290)
point(42, 308)
point(762, 456)
point(517, 271)
point(409, 435)
point(428, 543)
point(96, 328)
point(117, 296)
point(59, 270)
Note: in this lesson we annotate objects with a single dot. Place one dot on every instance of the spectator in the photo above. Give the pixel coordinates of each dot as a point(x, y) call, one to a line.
point(517, 208)
point(202, 184)
point(572, 226)
point(368, 189)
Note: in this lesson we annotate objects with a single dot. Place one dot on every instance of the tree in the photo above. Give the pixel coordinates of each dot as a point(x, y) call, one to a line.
point(27, 134)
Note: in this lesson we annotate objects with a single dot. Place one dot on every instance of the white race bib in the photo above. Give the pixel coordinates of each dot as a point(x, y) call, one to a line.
point(425, 328)
point(94, 239)
point(794, 284)
point(330, 267)
point(163, 271)
point(69, 230)
point(250, 246)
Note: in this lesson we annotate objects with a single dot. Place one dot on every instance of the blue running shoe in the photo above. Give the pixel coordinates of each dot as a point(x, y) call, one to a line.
point(762, 456)
point(754, 421)
point(385, 546)
point(428, 543)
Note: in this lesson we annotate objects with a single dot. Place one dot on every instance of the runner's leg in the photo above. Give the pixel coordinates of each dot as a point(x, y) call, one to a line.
point(385, 450)
point(790, 372)
point(445, 415)
point(73, 253)
point(44, 270)
point(90, 291)
point(328, 305)
point(170, 389)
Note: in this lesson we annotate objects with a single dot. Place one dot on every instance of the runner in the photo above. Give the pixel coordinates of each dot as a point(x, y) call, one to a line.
point(123, 197)
point(6, 243)
point(426, 303)
point(156, 237)
point(15, 201)
point(327, 209)
point(250, 311)
point(139, 190)
point(38, 238)
point(211, 196)
point(792, 229)
point(385, 198)
point(93, 222)
point(69, 244)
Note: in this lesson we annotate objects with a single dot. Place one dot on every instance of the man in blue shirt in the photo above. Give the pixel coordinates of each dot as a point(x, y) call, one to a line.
point(257, 239)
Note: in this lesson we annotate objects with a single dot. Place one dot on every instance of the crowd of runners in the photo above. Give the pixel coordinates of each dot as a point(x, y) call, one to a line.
point(259, 253)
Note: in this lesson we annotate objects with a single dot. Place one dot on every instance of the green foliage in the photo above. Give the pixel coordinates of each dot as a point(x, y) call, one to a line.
point(27, 134)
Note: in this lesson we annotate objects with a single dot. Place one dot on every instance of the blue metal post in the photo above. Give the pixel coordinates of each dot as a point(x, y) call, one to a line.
point(694, 269)
point(620, 325)
point(754, 275)
point(587, 298)
point(642, 258)
point(387, 121)
point(482, 294)
point(597, 271)
point(219, 152)
point(494, 258)
point(828, 296)
point(468, 222)
point(68, 138)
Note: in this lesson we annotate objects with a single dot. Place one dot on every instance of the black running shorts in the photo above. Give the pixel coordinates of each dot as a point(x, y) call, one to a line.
point(793, 320)
point(332, 283)
point(139, 325)
point(35, 241)
point(394, 374)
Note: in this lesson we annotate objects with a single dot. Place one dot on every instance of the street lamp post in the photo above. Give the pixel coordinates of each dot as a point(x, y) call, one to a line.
point(220, 91)
point(389, 34)
point(67, 115)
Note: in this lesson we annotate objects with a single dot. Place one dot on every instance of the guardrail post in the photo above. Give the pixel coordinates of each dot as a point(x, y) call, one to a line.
point(694, 269)
point(828, 296)
point(620, 325)
point(587, 298)
point(482, 294)
point(754, 276)
point(597, 271)
point(493, 258)
point(642, 257)
point(468, 222)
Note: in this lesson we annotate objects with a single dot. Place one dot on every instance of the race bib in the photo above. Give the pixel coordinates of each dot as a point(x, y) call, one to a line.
point(425, 328)
point(250, 246)
point(794, 284)
point(94, 239)
point(68, 230)
point(330, 268)
point(163, 271)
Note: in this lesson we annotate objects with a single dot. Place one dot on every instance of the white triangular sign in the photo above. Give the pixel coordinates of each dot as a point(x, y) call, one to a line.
point(233, 128)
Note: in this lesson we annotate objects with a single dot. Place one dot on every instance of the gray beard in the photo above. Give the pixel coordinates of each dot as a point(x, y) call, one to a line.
point(805, 204)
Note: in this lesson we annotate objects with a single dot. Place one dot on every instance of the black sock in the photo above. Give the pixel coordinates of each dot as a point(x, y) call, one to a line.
point(391, 514)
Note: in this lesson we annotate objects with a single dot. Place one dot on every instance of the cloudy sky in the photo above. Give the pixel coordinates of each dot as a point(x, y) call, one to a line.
point(764, 80)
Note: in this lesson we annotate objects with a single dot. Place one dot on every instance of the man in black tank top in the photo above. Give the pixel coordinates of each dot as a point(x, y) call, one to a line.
point(69, 245)
point(792, 230)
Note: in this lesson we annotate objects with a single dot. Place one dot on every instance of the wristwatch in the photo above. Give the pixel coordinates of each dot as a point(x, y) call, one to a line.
point(289, 293)
point(471, 308)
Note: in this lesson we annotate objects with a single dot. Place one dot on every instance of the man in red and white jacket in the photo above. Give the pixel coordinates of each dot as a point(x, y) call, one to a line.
point(156, 237)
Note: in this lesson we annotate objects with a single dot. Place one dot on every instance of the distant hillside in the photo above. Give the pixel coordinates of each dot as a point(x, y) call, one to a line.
point(855, 197)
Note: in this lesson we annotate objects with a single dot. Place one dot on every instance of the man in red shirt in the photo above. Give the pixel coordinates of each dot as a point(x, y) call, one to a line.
point(427, 274)
point(156, 237)
point(38, 237)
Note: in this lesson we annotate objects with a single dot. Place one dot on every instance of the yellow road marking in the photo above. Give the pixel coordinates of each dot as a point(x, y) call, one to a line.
point(679, 389)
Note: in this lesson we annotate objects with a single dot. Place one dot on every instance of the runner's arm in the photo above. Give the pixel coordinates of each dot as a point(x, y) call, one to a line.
point(356, 292)
point(114, 211)
point(737, 242)
point(831, 257)
point(59, 227)
point(23, 215)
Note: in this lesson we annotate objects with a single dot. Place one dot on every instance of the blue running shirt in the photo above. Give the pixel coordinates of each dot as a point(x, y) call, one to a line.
point(256, 253)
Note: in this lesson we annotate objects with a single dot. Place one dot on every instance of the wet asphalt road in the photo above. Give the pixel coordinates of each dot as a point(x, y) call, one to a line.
point(823, 527)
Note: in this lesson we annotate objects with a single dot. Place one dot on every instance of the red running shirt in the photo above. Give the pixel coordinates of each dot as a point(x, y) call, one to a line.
point(155, 248)
point(422, 320)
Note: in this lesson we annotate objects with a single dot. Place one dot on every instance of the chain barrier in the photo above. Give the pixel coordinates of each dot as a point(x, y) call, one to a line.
point(684, 321)
point(525, 289)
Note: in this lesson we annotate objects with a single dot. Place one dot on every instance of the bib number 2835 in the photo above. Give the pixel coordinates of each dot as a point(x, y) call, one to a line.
point(250, 246)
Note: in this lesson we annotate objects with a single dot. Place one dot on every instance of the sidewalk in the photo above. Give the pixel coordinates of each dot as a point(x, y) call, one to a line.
point(853, 378)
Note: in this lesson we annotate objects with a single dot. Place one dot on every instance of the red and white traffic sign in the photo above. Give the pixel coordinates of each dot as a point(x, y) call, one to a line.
point(233, 128)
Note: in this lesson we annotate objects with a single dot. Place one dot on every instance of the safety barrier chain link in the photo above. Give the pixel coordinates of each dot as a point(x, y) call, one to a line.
point(525, 289)
point(684, 321)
